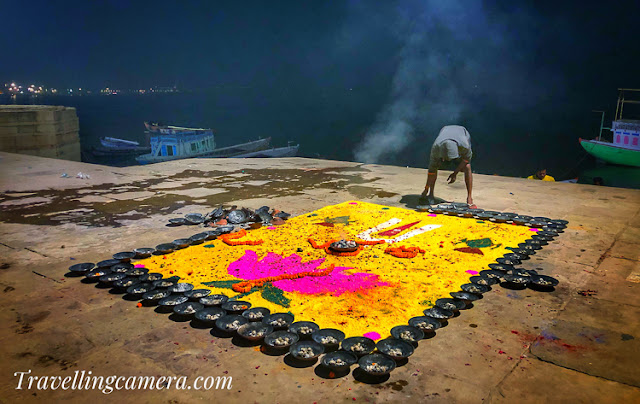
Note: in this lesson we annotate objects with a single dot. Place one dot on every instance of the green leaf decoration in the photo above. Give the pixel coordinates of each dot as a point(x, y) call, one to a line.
point(221, 284)
point(340, 219)
point(274, 295)
point(241, 295)
point(480, 243)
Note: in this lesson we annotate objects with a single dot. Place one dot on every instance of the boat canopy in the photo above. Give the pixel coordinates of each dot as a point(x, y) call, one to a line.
point(182, 144)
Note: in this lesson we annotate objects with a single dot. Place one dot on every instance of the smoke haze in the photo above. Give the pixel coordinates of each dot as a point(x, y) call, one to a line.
point(454, 60)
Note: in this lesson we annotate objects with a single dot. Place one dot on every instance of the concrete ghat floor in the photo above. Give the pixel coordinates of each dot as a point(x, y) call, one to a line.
point(513, 346)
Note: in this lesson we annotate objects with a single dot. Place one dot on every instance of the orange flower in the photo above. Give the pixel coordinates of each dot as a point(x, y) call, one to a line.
point(320, 246)
point(227, 239)
point(404, 252)
point(363, 242)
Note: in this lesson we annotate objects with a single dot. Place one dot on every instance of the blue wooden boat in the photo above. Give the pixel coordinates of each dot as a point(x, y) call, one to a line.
point(174, 143)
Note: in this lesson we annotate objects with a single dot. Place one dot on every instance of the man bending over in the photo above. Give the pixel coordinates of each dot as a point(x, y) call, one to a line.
point(453, 145)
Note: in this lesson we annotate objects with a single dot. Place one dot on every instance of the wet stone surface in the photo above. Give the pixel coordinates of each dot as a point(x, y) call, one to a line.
point(502, 347)
point(63, 206)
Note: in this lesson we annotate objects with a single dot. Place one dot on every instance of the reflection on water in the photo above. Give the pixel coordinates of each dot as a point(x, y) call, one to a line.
point(612, 176)
point(332, 130)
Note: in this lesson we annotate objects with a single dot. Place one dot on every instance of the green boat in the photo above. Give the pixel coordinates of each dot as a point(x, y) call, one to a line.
point(625, 148)
point(612, 153)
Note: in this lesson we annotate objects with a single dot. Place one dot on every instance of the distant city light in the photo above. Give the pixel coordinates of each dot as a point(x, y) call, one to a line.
point(32, 89)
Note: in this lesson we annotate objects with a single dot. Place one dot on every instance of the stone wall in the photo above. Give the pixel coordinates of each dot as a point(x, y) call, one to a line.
point(40, 130)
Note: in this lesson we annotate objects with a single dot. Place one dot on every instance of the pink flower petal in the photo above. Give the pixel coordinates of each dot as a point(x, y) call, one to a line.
point(272, 264)
point(373, 335)
point(336, 283)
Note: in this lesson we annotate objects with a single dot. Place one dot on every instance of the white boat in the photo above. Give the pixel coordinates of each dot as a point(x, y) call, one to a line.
point(120, 146)
point(235, 150)
point(288, 151)
point(169, 129)
point(115, 143)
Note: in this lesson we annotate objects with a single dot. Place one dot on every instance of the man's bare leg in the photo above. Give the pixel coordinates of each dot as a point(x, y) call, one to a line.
point(468, 180)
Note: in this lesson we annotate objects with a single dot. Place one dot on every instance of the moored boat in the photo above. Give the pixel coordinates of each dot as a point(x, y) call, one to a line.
point(114, 142)
point(612, 153)
point(288, 151)
point(121, 145)
point(169, 129)
point(625, 147)
point(232, 151)
point(176, 142)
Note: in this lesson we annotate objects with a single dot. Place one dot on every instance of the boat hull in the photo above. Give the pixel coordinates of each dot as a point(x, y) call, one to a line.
point(611, 153)
point(104, 151)
point(226, 152)
point(289, 151)
point(242, 148)
point(120, 144)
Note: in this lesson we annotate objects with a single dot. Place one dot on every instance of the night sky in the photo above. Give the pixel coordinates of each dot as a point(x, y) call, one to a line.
point(496, 66)
point(343, 43)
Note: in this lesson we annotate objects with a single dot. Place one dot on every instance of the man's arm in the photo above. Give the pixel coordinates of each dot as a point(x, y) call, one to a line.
point(463, 164)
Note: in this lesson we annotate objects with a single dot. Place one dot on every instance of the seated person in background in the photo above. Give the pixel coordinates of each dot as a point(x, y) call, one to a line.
point(541, 174)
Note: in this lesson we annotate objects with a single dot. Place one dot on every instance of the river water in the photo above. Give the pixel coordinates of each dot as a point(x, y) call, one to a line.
point(332, 127)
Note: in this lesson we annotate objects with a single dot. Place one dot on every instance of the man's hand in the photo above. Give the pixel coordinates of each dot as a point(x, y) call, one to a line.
point(462, 166)
point(426, 198)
